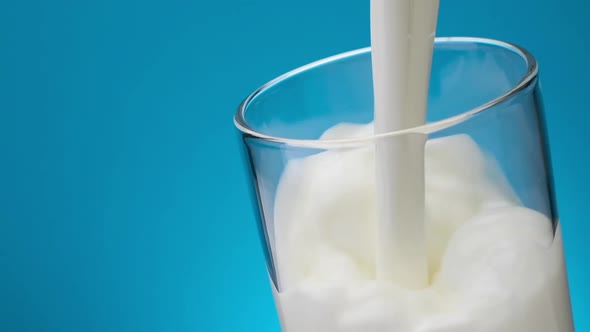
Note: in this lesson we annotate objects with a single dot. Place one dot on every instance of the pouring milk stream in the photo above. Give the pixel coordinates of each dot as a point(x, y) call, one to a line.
point(402, 39)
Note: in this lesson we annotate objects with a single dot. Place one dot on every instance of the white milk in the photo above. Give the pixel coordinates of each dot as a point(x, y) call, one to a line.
point(494, 265)
point(402, 41)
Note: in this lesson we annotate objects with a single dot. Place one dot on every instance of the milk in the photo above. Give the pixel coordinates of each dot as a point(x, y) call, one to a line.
point(494, 265)
point(402, 42)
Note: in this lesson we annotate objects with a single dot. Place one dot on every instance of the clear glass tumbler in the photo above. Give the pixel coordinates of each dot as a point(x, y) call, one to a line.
point(491, 227)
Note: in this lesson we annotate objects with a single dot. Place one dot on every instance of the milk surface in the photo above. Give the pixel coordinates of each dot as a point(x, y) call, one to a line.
point(494, 265)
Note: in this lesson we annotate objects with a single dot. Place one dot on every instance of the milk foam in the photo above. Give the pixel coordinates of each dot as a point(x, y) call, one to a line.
point(494, 264)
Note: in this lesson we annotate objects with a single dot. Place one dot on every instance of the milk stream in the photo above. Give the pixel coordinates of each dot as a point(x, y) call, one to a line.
point(495, 265)
point(402, 40)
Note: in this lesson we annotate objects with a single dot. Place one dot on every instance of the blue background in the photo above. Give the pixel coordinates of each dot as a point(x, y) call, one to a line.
point(123, 202)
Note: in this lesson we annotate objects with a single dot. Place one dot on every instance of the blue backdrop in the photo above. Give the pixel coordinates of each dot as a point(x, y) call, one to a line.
point(123, 203)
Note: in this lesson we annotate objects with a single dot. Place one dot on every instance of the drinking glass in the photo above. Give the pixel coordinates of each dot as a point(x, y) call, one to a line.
point(491, 228)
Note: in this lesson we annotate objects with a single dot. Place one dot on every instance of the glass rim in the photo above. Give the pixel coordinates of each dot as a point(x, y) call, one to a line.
point(428, 128)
